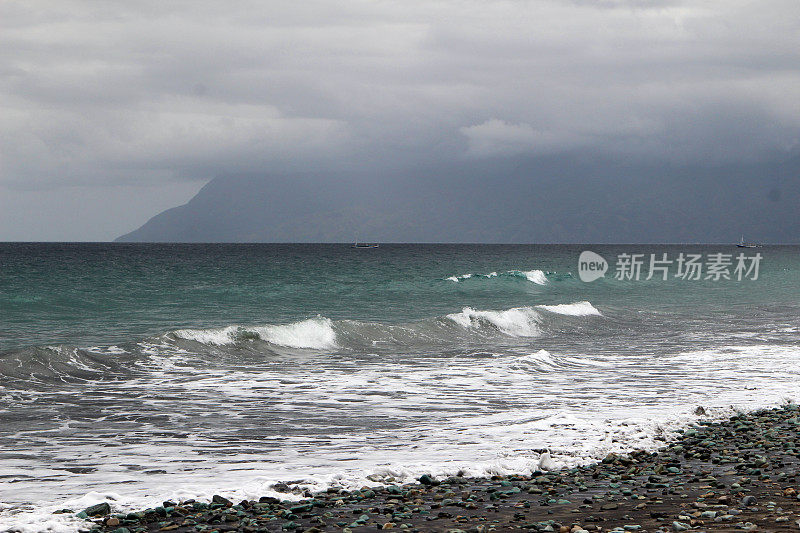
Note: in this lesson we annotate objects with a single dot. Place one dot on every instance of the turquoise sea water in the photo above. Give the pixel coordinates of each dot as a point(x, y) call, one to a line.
point(98, 293)
point(133, 373)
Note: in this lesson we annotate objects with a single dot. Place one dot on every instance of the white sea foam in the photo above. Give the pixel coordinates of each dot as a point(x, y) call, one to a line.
point(574, 309)
point(237, 429)
point(36, 519)
point(579, 421)
point(546, 462)
point(217, 337)
point(536, 276)
point(315, 333)
point(540, 358)
point(517, 322)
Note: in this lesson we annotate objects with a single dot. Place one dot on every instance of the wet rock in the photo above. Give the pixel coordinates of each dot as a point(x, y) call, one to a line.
point(299, 509)
point(221, 501)
point(427, 480)
point(101, 509)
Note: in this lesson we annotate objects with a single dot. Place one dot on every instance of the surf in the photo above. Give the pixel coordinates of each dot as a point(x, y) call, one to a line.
point(460, 331)
point(535, 276)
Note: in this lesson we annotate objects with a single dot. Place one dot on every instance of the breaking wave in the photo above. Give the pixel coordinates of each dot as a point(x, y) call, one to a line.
point(538, 277)
point(574, 309)
point(314, 333)
point(535, 276)
point(451, 333)
point(516, 322)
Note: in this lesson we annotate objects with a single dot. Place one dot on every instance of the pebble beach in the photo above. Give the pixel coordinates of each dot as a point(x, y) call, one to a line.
point(739, 474)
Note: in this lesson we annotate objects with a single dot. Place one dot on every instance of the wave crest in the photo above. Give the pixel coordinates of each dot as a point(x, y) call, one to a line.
point(516, 322)
point(538, 277)
point(574, 309)
point(216, 337)
point(320, 334)
point(313, 333)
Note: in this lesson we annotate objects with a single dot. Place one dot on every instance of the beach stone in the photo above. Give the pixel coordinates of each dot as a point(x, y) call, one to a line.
point(749, 501)
point(281, 487)
point(680, 526)
point(101, 509)
point(219, 500)
point(427, 480)
point(305, 508)
point(112, 522)
point(609, 506)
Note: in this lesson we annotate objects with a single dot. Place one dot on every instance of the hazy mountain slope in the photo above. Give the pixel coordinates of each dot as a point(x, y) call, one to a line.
point(542, 200)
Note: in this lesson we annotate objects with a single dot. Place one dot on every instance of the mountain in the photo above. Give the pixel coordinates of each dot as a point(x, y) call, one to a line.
point(555, 199)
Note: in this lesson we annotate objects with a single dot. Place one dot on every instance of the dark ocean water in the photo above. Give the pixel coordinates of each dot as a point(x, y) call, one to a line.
point(135, 373)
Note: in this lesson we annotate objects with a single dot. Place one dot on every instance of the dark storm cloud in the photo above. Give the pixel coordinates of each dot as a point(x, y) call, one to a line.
point(116, 92)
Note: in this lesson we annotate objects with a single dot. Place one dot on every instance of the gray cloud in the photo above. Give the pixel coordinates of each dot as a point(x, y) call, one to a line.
point(145, 93)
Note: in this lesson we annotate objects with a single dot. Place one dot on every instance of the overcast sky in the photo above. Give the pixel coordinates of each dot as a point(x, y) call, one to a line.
point(111, 111)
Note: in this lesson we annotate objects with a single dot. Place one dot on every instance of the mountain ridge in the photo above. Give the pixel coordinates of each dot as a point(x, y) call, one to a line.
point(542, 200)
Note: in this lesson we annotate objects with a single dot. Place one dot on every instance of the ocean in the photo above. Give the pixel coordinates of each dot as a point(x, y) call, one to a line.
point(137, 373)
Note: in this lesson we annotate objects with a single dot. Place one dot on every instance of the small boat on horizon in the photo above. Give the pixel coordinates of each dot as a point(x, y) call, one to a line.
point(365, 245)
point(743, 244)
